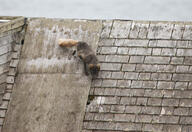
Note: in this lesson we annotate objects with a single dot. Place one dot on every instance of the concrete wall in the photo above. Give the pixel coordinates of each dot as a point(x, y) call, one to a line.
point(51, 90)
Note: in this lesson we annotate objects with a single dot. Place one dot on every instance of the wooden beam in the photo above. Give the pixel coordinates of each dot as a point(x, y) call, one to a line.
point(12, 24)
point(9, 17)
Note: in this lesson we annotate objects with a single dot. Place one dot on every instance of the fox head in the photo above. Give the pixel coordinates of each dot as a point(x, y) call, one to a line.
point(94, 69)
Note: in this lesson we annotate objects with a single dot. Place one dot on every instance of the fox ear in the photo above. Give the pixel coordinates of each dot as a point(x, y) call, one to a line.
point(91, 66)
point(98, 66)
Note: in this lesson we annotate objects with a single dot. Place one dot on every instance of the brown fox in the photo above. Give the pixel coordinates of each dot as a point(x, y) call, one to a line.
point(86, 54)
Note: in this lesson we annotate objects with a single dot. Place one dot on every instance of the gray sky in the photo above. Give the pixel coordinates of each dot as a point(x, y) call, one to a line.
point(172, 10)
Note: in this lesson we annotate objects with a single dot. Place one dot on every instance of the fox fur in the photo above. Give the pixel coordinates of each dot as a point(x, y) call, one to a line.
point(85, 53)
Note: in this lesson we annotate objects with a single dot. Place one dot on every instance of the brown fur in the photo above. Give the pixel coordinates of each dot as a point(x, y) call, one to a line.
point(86, 54)
point(67, 42)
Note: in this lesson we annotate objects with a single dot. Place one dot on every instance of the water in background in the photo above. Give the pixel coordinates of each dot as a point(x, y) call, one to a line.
point(174, 10)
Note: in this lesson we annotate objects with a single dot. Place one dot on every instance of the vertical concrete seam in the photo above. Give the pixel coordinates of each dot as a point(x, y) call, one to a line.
point(172, 31)
point(130, 29)
point(183, 31)
point(148, 30)
point(111, 28)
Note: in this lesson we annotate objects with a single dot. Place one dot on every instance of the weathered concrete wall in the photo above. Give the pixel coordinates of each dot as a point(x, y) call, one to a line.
point(10, 34)
point(145, 80)
point(51, 90)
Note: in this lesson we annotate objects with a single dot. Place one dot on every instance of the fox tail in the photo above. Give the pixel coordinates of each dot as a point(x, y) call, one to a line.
point(67, 42)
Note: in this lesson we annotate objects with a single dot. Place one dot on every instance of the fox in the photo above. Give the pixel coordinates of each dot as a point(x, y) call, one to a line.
point(85, 53)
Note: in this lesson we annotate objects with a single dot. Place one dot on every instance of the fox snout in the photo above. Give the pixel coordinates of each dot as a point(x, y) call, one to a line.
point(94, 70)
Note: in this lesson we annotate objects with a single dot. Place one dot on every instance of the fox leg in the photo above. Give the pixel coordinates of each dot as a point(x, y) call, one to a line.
point(85, 65)
point(85, 69)
point(71, 53)
point(74, 51)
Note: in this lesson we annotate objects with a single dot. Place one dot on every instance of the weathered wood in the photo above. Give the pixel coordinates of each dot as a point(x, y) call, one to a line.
point(3, 78)
point(10, 32)
point(2, 88)
point(6, 40)
point(1, 96)
point(12, 24)
point(10, 79)
point(5, 58)
point(9, 17)
point(12, 71)
point(3, 21)
point(5, 49)
point(4, 68)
